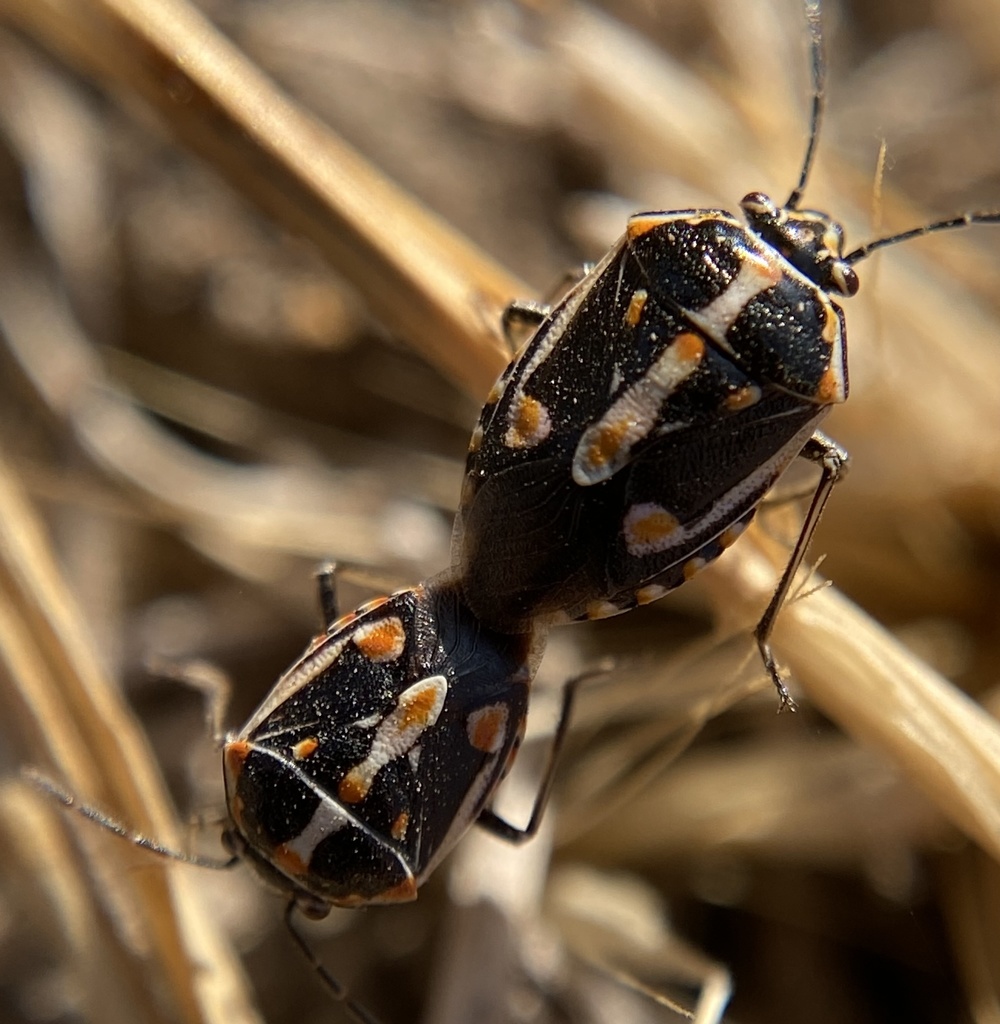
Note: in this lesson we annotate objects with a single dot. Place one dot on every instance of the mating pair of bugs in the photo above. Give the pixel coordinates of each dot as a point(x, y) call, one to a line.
point(626, 446)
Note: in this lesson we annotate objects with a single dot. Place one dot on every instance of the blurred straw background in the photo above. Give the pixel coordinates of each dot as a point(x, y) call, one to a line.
point(231, 348)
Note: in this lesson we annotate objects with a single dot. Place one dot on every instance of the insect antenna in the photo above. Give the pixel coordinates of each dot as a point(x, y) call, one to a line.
point(357, 1012)
point(54, 790)
point(963, 220)
point(51, 788)
point(817, 64)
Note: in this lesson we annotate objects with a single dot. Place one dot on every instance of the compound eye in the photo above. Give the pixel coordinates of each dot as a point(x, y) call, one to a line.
point(757, 204)
point(311, 906)
point(844, 279)
point(233, 842)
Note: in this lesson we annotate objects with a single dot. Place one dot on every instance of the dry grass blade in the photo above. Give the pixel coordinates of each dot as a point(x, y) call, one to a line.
point(425, 282)
point(276, 507)
point(971, 881)
point(82, 732)
point(884, 695)
point(184, 398)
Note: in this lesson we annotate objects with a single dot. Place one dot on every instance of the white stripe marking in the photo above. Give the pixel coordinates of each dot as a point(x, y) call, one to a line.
point(327, 819)
point(757, 274)
point(416, 711)
point(606, 445)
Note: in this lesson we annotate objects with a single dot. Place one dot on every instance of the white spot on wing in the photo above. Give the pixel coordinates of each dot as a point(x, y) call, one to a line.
point(382, 639)
point(528, 422)
point(487, 728)
point(649, 529)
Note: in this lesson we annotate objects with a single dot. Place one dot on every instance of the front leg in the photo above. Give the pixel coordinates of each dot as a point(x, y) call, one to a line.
point(834, 462)
point(503, 829)
point(326, 585)
point(521, 317)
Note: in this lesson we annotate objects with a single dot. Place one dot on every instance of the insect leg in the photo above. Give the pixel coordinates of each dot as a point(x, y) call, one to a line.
point(833, 461)
point(523, 315)
point(326, 583)
point(520, 318)
point(207, 679)
point(356, 1011)
point(491, 821)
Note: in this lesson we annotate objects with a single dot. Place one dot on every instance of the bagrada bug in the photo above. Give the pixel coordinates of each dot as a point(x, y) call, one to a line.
point(626, 447)
point(631, 440)
point(378, 749)
point(374, 753)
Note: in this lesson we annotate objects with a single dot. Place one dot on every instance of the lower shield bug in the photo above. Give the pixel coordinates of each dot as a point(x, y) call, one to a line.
point(374, 753)
point(378, 749)
point(633, 437)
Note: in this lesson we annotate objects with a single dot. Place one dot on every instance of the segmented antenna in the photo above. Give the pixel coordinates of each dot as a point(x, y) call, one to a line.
point(337, 991)
point(817, 61)
point(63, 796)
point(963, 220)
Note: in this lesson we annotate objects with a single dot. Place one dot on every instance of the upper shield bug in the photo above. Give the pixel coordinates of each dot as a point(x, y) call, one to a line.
point(631, 440)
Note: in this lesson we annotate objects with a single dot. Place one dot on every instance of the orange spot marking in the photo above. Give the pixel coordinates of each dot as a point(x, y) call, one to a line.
point(342, 623)
point(602, 610)
point(831, 329)
point(608, 442)
point(287, 860)
point(381, 641)
point(529, 423)
point(652, 528)
point(235, 756)
point(732, 534)
point(487, 728)
point(649, 594)
point(690, 347)
point(353, 787)
point(635, 306)
point(476, 441)
point(829, 388)
point(418, 709)
point(693, 566)
point(743, 398)
point(305, 748)
point(399, 826)
point(405, 892)
point(639, 226)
